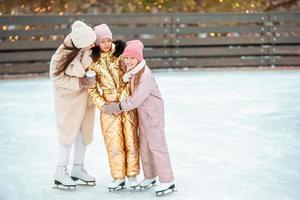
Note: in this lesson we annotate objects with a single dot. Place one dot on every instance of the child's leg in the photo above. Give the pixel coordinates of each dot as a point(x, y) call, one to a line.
point(114, 141)
point(147, 158)
point(79, 150)
point(131, 143)
point(159, 150)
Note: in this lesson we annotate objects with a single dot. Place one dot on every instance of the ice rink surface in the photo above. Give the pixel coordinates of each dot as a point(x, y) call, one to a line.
point(232, 135)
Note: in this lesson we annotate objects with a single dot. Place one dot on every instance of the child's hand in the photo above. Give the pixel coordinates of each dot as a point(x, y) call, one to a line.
point(111, 108)
point(86, 82)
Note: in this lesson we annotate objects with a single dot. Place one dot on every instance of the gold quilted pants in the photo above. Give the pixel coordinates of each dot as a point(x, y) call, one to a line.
point(121, 141)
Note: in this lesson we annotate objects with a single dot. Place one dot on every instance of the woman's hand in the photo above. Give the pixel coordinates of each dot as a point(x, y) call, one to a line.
point(86, 58)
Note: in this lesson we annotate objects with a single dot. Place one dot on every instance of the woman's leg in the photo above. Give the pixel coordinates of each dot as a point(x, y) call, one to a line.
point(79, 150)
point(78, 171)
point(61, 176)
point(64, 154)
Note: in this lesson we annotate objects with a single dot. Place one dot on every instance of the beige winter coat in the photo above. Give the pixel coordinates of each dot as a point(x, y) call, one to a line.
point(74, 109)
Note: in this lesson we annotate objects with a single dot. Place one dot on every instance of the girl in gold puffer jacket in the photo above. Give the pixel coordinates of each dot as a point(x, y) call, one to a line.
point(119, 131)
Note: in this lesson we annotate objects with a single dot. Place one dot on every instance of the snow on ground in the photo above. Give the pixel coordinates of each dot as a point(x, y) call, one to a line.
point(232, 135)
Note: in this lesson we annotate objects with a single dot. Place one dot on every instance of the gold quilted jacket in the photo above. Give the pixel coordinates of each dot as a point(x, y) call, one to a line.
point(109, 84)
point(119, 131)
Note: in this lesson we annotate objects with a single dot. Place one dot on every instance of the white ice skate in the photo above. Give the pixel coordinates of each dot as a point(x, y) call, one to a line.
point(79, 173)
point(133, 182)
point(165, 188)
point(62, 178)
point(147, 183)
point(116, 184)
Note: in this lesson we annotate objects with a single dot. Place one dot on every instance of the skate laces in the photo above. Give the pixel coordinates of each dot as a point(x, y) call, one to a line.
point(66, 172)
point(84, 170)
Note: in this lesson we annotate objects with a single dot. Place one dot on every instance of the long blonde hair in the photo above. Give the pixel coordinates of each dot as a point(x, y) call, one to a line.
point(137, 78)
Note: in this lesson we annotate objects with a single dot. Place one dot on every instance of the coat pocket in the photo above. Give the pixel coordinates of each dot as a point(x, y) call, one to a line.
point(152, 120)
point(151, 115)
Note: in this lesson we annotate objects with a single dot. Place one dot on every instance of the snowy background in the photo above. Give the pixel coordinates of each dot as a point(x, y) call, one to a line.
point(232, 135)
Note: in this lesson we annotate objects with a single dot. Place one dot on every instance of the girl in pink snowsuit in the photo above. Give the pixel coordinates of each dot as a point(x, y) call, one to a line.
point(147, 99)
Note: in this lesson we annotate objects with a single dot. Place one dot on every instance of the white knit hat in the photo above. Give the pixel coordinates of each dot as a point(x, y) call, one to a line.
point(82, 35)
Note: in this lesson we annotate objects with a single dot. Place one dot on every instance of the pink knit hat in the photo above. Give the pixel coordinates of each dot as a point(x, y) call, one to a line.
point(134, 48)
point(102, 31)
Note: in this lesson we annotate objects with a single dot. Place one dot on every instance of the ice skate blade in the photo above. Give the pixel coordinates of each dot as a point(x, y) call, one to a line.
point(120, 187)
point(116, 189)
point(141, 188)
point(168, 191)
point(60, 186)
point(152, 184)
point(135, 188)
point(83, 182)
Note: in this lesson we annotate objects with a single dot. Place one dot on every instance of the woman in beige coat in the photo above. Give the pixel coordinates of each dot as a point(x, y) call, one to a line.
point(74, 110)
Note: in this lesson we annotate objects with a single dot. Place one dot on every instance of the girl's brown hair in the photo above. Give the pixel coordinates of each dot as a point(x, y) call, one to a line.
point(67, 59)
point(119, 48)
point(137, 79)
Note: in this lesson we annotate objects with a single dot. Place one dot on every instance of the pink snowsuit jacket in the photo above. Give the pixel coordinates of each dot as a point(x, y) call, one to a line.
point(148, 101)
